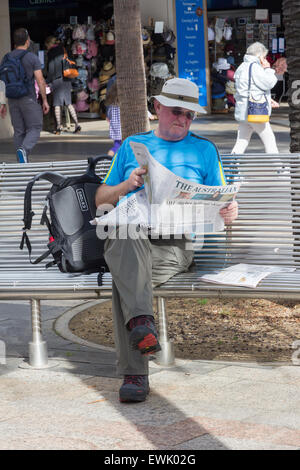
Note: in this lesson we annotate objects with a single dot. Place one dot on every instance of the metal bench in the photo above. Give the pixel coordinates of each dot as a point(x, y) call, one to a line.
point(266, 232)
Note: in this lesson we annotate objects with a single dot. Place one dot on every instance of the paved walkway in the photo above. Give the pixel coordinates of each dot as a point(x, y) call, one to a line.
point(94, 138)
point(193, 405)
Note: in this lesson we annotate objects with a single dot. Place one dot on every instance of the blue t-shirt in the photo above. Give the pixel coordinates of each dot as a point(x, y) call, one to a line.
point(193, 158)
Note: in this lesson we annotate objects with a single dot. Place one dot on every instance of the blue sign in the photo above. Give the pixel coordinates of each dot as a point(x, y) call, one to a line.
point(191, 45)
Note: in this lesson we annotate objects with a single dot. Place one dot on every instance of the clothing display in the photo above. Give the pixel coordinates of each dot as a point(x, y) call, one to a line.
point(92, 47)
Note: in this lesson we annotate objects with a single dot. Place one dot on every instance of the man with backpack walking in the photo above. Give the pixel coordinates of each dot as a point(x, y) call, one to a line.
point(19, 70)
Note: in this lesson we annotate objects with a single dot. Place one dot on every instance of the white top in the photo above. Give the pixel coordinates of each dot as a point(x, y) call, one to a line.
point(262, 81)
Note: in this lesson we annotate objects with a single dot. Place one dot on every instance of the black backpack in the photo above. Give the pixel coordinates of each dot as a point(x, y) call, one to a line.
point(73, 241)
point(12, 73)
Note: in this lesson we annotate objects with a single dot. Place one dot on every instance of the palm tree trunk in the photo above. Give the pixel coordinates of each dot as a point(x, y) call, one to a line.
point(131, 80)
point(291, 17)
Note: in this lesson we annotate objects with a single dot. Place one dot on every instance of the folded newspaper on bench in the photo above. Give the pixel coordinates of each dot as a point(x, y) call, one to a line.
point(247, 275)
point(169, 204)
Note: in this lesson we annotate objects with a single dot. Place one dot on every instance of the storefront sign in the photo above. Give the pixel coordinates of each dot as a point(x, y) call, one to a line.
point(41, 4)
point(191, 44)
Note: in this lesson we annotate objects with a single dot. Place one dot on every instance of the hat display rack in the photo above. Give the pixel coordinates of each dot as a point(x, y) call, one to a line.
point(91, 46)
point(159, 58)
point(221, 34)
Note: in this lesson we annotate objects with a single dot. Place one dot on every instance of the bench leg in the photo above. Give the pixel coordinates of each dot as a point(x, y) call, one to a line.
point(38, 355)
point(166, 356)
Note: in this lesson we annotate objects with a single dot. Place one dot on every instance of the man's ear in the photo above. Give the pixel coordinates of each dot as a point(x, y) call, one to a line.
point(156, 106)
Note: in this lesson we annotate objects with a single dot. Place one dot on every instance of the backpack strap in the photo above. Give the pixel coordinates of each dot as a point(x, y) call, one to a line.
point(54, 178)
point(92, 162)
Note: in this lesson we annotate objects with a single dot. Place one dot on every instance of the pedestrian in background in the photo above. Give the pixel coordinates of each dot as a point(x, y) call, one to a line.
point(113, 115)
point(259, 87)
point(26, 113)
point(3, 109)
point(61, 87)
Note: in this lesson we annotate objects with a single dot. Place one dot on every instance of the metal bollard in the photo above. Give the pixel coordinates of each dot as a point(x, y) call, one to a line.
point(38, 354)
point(165, 357)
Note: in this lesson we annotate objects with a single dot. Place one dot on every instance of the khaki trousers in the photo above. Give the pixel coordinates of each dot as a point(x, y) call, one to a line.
point(136, 266)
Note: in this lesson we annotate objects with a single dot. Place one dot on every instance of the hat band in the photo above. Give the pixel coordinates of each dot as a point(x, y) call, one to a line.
point(189, 99)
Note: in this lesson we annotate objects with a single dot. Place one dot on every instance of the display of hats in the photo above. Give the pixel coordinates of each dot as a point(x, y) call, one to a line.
point(157, 38)
point(81, 106)
point(90, 33)
point(108, 68)
point(82, 95)
point(93, 65)
point(77, 84)
point(103, 78)
point(78, 48)
point(94, 95)
point(221, 64)
point(102, 94)
point(81, 47)
point(93, 84)
point(231, 60)
point(102, 38)
point(159, 70)
point(160, 54)
point(79, 31)
point(227, 33)
point(94, 106)
point(92, 49)
point(110, 38)
point(229, 48)
point(210, 34)
point(145, 37)
point(79, 61)
point(60, 33)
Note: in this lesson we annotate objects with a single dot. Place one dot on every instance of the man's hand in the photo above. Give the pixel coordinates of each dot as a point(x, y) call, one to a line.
point(135, 180)
point(230, 212)
point(3, 110)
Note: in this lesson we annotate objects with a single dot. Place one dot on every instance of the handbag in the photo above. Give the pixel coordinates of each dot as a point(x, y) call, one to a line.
point(69, 67)
point(258, 110)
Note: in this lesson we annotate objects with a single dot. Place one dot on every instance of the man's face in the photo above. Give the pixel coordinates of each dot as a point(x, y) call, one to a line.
point(174, 122)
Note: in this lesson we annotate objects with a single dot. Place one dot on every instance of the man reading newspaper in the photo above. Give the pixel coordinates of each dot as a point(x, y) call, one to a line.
point(136, 264)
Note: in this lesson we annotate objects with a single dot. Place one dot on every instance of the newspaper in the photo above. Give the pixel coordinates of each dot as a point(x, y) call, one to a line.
point(169, 204)
point(247, 275)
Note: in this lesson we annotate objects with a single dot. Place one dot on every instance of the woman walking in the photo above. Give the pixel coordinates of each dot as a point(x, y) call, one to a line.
point(256, 85)
point(60, 87)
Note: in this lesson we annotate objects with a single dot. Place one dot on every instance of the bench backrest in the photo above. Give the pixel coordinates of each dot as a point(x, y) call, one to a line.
point(266, 231)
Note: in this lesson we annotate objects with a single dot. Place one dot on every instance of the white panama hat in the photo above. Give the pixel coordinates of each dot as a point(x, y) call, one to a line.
point(221, 64)
point(182, 93)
